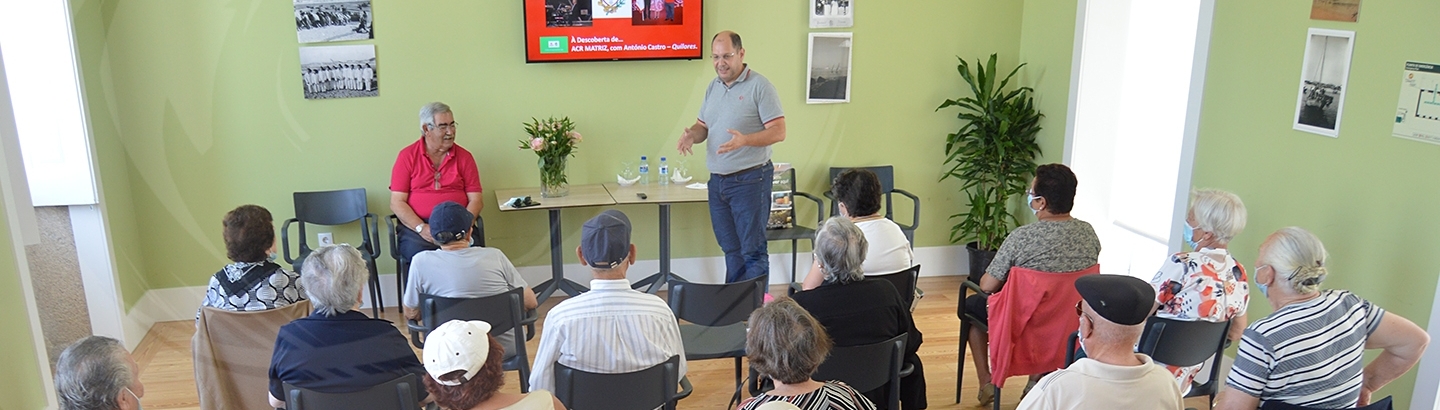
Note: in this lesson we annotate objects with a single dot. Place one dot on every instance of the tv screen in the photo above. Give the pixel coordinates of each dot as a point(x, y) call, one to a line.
point(607, 30)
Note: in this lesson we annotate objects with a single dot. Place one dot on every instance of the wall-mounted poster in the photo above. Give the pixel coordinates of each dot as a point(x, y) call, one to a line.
point(1335, 10)
point(1418, 115)
point(832, 13)
point(319, 21)
point(829, 68)
point(339, 71)
point(1322, 81)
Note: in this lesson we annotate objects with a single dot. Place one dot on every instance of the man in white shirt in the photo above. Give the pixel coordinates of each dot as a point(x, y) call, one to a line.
point(1113, 376)
point(612, 328)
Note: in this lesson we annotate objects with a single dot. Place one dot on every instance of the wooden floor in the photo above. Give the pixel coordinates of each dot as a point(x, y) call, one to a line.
point(166, 369)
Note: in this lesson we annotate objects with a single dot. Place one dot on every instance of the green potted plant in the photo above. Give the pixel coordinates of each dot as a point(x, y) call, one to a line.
point(993, 155)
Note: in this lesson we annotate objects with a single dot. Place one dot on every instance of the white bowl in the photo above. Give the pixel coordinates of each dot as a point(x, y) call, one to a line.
point(626, 182)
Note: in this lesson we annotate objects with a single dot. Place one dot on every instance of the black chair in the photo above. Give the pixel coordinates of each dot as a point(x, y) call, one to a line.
point(858, 366)
point(334, 208)
point(403, 393)
point(904, 282)
point(503, 312)
point(1187, 343)
point(644, 389)
point(717, 316)
point(967, 319)
point(1383, 404)
point(402, 265)
point(886, 173)
point(795, 232)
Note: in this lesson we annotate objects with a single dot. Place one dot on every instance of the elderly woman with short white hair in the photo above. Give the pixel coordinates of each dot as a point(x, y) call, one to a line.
point(338, 349)
point(1310, 351)
point(857, 310)
point(1205, 284)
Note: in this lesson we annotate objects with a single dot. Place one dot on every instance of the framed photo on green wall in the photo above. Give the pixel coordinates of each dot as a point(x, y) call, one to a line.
point(1326, 69)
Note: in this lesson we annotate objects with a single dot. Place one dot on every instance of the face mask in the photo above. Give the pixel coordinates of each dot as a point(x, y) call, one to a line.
point(1081, 338)
point(1264, 290)
point(271, 257)
point(137, 399)
point(1029, 200)
point(1190, 236)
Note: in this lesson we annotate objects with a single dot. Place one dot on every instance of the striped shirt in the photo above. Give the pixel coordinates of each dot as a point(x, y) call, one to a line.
point(833, 395)
point(1308, 353)
point(610, 329)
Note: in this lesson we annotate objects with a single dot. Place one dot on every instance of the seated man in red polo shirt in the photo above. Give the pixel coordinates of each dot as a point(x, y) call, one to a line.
point(428, 172)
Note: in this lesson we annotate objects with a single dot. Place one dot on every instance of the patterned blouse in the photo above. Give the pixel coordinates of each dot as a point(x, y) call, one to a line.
point(1206, 285)
point(281, 288)
point(833, 395)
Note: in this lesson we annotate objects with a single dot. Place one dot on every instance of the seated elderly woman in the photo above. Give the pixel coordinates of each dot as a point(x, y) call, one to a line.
point(786, 344)
point(857, 195)
point(253, 281)
point(463, 371)
point(858, 311)
point(338, 349)
point(1310, 350)
point(1205, 284)
point(1055, 243)
point(97, 373)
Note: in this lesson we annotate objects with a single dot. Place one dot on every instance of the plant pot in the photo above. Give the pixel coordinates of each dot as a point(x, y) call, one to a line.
point(979, 260)
point(553, 183)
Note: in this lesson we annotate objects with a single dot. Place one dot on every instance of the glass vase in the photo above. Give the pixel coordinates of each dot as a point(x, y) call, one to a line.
point(552, 178)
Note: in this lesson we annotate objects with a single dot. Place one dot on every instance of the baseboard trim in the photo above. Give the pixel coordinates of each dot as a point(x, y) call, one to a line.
point(172, 304)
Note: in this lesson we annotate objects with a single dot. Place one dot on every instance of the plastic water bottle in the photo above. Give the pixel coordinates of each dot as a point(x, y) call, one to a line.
point(664, 172)
point(644, 170)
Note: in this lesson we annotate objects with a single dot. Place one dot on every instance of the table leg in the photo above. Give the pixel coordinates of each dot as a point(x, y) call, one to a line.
point(664, 275)
point(557, 266)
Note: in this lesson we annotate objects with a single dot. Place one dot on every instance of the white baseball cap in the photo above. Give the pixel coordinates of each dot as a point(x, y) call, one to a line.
point(457, 345)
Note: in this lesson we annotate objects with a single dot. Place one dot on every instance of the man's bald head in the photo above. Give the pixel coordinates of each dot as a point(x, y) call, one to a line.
point(733, 37)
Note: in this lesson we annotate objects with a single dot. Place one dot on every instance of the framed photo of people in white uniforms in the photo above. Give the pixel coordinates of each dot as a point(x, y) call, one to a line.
point(339, 71)
point(828, 68)
point(319, 21)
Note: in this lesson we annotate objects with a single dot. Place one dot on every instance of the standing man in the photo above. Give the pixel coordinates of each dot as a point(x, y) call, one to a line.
point(741, 118)
point(428, 172)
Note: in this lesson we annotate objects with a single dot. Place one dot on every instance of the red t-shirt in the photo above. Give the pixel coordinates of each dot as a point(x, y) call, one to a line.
point(427, 186)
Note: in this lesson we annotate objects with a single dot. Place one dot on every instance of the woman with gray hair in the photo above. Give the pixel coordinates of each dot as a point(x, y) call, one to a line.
point(96, 373)
point(338, 349)
point(787, 345)
point(1310, 351)
point(1205, 284)
point(856, 310)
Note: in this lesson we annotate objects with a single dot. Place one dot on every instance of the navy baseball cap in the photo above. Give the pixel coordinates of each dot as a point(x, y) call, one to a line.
point(1124, 300)
point(605, 239)
point(449, 221)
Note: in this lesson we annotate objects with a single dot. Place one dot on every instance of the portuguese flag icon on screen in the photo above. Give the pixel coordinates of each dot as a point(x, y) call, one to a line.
point(554, 45)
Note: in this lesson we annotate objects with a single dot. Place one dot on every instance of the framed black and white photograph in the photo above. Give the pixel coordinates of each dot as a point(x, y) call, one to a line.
point(832, 13)
point(319, 21)
point(828, 68)
point(339, 71)
point(1322, 81)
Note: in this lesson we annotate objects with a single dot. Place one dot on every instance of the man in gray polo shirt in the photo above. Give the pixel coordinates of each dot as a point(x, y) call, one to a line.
point(741, 118)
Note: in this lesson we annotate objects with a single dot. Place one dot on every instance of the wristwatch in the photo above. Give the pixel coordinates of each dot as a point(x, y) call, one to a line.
point(419, 228)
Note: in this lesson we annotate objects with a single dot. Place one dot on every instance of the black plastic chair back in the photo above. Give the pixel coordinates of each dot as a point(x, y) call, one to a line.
point(1383, 404)
point(331, 208)
point(886, 175)
point(644, 389)
point(403, 393)
point(1182, 343)
point(716, 304)
point(905, 282)
point(867, 367)
point(504, 312)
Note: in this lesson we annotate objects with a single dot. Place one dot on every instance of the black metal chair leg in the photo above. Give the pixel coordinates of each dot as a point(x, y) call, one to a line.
point(737, 373)
point(960, 361)
point(997, 397)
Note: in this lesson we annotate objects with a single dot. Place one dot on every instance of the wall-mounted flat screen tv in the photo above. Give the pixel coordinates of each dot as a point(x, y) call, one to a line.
point(610, 30)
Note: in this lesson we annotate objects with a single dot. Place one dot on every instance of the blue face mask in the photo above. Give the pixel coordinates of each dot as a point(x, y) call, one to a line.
point(1190, 236)
point(272, 256)
point(1029, 199)
point(1264, 290)
point(137, 399)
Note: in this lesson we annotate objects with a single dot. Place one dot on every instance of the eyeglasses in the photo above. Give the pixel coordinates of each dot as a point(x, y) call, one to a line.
point(1078, 310)
point(447, 125)
point(718, 57)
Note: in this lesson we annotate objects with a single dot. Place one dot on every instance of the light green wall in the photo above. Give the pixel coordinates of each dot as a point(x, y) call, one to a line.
point(23, 388)
point(1366, 194)
point(1047, 42)
point(197, 108)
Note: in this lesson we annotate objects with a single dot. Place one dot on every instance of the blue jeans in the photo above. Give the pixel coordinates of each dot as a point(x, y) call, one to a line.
point(739, 207)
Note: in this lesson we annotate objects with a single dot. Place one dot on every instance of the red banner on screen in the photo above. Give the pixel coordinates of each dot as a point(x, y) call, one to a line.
point(602, 30)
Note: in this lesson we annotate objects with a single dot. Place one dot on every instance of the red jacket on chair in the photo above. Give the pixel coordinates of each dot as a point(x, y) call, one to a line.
point(1029, 321)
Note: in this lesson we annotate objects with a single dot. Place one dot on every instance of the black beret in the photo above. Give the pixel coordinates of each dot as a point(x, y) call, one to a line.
point(1121, 299)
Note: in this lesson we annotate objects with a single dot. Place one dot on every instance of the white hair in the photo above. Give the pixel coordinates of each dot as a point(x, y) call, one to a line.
point(1298, 258)
point(840, 246)
point(428, 112)
point(1219, 212)
point(332, 276)
point(91, 373)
